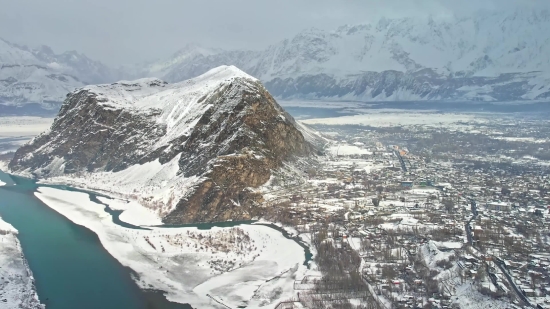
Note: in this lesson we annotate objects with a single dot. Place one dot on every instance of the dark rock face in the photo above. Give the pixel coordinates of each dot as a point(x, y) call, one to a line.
point(89, 137)
point(234, 145)
point(254, 140)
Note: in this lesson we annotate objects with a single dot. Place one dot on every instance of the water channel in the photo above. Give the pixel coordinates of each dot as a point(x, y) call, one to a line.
point(70, 266)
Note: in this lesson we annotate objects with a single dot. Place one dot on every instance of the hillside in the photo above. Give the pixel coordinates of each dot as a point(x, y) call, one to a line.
point(193, 151)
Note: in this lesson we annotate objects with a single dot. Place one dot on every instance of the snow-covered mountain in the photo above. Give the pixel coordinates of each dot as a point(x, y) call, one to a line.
point(41, 76)
point(490, 56)
point(487, 56)
point(193, 151)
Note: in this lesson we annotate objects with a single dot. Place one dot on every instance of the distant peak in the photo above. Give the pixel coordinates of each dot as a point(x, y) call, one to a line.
point(312, 32)
point(147, 81)
point(225, 72)
point(46, 50)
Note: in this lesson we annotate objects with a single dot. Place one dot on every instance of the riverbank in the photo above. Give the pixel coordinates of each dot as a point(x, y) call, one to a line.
point(235, 265)
point(17, 288)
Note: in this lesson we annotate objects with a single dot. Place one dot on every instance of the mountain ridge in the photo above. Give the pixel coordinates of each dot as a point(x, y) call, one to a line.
point(490, 56)
point(487, 56)
point(40, 76)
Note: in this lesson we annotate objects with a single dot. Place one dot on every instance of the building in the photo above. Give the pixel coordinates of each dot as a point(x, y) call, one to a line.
point(407, 184)
point(499, 206)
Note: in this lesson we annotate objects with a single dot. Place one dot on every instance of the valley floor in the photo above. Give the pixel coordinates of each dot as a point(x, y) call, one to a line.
point(23, 126)
point(246, 265)
point(16, 131)
point(17, 283)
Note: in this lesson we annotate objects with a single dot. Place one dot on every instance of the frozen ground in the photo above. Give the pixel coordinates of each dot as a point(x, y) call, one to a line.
point(346, 150)
point(23, 126)
point(16, 281)
point(318, 104)
point(468, 297)
point(249, 265)
point(390, 117)
point(16, 131)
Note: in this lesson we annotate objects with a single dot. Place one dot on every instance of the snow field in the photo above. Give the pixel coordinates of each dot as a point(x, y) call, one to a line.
point(346, 150)
point(431, 254)
point(383, 118)
point(230, 264)
point(16, 284)
point(6, 228)
point(23, 126)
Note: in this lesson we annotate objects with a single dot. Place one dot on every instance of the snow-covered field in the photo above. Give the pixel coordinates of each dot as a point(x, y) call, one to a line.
point(318, 104)
point(388, 118)
point(17, 283)
point(232, 265)
point(522, 139)
point(346, 150)
point(26, 126)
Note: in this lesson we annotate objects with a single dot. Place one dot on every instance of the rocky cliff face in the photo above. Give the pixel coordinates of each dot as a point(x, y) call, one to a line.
point(221, 134)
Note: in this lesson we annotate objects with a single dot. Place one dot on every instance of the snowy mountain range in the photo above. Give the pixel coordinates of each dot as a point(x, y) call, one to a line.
point(41, 76)
point(491, 56)
point(487, 56)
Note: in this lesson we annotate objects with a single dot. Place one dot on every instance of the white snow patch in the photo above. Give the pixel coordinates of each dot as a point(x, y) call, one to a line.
point(389, 118)
point(7, 228)
point(346, 150)
point(24, 126)
point(133, 212)
point(16, 287)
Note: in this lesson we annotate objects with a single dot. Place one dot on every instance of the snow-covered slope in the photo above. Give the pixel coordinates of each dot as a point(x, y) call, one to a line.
point(17, 288)
point(486, 56)
point(40, 76)
point(192, 151)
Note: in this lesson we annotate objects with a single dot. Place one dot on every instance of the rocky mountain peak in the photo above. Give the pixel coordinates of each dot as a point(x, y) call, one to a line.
point(210, 141)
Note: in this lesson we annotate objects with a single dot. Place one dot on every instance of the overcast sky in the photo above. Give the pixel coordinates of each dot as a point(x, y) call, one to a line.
point(130, 31)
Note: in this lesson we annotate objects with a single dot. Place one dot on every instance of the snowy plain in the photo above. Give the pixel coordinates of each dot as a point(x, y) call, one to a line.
point(256, 269)
point(23, 126)
point(390, 117)
point(17, 288)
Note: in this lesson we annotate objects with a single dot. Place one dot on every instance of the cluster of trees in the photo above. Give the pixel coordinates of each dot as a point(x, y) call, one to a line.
point(232, 240)
point(281, 212)
point(341, 278)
